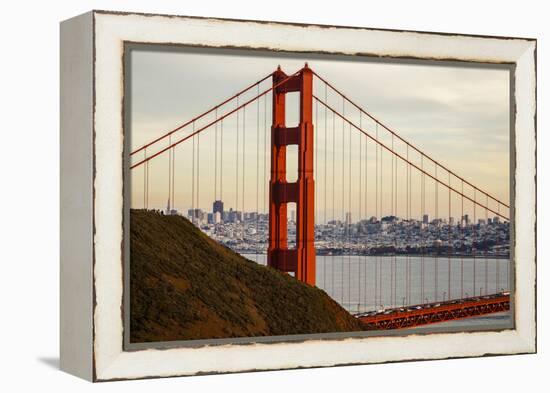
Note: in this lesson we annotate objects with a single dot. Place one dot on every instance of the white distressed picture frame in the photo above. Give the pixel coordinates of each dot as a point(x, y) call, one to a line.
point(92, 276)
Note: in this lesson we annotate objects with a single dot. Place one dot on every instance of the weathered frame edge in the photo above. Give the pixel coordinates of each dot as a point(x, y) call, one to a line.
point(76, 196)
point(528, 342)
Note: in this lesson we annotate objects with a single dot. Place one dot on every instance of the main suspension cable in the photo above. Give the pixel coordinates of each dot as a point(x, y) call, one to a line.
point(376, 121)
point(214, 108)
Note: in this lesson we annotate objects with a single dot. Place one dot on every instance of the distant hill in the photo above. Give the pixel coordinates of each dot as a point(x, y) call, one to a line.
point(184, 285)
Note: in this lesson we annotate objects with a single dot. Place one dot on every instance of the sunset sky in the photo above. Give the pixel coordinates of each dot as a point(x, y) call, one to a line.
point(457, 115)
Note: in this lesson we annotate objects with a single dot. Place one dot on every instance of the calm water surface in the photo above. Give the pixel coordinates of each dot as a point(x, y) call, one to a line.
point(350, 280)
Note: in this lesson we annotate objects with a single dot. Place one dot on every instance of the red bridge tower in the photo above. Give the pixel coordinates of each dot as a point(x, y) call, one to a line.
point(300, 260)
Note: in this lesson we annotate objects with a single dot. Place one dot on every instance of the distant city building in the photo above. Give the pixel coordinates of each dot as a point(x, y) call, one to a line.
point(481, 221)
point(496, 220)
point(489, 221)
point(425, 219)
point(451, 221)
point(169, 210)
point(348, 218)
point(196, 216)
point(217, 207)
point(437, 243)
point(217, 218)
point(465, 220)
point(232, 216)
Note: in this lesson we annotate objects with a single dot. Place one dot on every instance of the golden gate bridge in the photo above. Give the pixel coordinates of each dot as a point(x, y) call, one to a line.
point(336, 142)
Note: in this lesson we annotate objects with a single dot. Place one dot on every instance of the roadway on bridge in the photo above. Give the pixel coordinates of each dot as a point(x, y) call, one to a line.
point(422, 314)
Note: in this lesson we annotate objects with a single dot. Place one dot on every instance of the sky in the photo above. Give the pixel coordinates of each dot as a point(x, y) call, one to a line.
point(457, 115)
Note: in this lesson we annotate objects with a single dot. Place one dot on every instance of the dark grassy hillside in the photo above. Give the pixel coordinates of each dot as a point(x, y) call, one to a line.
point(186, 286)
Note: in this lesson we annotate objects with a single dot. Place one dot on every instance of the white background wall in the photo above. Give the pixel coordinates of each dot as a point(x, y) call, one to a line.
point(29, 183)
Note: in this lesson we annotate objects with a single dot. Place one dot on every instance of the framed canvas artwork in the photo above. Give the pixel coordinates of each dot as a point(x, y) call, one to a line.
point(249, 195)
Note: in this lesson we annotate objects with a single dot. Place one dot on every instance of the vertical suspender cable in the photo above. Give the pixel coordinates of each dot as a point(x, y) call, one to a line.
point(348, 222)
point(237, 172)
point(509, 275)
point(485, 245)
point(507, 269)
point(169, 175)
point(474, 246)
point(382, 260)
point(409, 217)
point(144, 180)
point(221, 165)
point(216, 156)
point(257, 172)
point(395, 232)
point(198, 170)
point(379, 227)
point(422, 202)
point(366, 213)
point(436, 220)
point(408, 213)
point(316, 154)
point(395, 224)
point(462, 240)
point(392, 257)
point(174, 177)
point(325, 187)
point(359, 261)
point(497, 259)
point(333, 198)
point(449, 246)
point(244, 178)
point(343, 199)
point(171, 170)
point(193, 178)
point(264, 182)
point(316, 159)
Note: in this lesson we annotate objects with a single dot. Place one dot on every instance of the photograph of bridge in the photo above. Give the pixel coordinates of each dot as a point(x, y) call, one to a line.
point(275, 194)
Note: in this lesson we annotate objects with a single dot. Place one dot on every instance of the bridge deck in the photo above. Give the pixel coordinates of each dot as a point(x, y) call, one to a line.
point(407, 317)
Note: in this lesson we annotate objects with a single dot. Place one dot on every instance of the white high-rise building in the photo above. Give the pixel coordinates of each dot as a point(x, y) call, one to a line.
point(169, 210)
point(348, 218)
